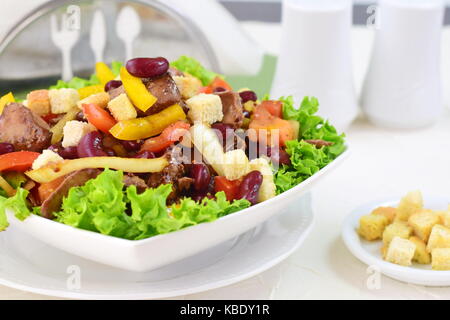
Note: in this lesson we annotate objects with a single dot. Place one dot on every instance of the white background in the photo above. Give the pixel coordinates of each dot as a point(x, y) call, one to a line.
point(383, 162)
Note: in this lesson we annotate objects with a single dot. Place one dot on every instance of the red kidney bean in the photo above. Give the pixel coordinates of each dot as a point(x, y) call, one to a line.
point(6, 148)
point(200, 173)
point(246, 114)
point(69, 153)
point(66, 153)
point(145, 155)
point(250, 186)
point(147, 67)
point(248, 96)
point(91, 146)
point(223, 130)
point(113, 84)
point(132, 146)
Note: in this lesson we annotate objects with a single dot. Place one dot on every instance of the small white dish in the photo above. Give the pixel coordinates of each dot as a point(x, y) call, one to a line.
point(161, 250)
point(31, 265)
point(369, 252)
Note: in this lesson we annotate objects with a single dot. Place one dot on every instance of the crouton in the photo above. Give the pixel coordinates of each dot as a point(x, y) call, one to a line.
point(73, 132)
point(62, 100)
point(101, 99)
point(388, 212)
point(422, 223)
point(235, 164)
point(410, 204)
point(371, 226)
point(397, 229)
point(38, 101)
point(445, 217)
point(440, 259)
point(401, 251)
point(205, 108)
point(383, 251)
point(188, 85)
point(421, 255)
point(121, 108)
point(46, 157)
point(268, 188)
point(439, 238)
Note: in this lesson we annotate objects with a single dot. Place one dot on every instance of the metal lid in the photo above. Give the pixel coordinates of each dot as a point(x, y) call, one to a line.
point(31, 55)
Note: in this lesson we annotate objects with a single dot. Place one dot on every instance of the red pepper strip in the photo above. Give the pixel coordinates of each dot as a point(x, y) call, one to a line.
point(170, 135)
point(98, 117)
point(17, 161)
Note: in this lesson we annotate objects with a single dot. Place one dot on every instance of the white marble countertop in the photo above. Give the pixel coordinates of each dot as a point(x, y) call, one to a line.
point(383, 162)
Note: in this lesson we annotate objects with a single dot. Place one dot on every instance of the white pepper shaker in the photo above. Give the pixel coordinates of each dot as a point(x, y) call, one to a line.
point(403, 85)
point(315, 57)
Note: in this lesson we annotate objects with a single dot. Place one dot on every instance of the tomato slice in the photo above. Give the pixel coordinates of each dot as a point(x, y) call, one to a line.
point(275, 108)
point(230, 187)
point(17, 161)
point(219, 83)
point(264, 118)
point(207, 90)
point(98, 117)
point(170, 135)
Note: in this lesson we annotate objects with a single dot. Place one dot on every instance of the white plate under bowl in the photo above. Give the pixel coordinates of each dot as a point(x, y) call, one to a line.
point(369, 251)
point(155, 252)
point(31, 265)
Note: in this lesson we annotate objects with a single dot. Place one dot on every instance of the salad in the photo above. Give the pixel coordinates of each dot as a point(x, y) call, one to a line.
point(151, 147)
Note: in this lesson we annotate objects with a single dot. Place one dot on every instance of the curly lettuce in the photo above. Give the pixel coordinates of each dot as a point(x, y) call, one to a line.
point(78, 83)
point(306, 159)
point(194, 68)
point(104, 205)
point(17, 203)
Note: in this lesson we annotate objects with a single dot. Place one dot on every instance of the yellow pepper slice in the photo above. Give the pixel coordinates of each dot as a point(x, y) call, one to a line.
point(90, 90)
point(103, 73)
point(149, 126)
point(7, 98)
point(137, 91)
point(55, 170)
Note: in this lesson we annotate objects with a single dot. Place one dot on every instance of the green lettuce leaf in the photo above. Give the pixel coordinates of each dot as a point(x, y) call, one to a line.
point(78, 83)
point(194, 68)
point(306, 159)
point(17, 203)
point(115, 67)
point(104, 205)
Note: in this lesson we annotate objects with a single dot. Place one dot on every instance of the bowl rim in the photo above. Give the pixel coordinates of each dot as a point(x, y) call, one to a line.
point(127, 242)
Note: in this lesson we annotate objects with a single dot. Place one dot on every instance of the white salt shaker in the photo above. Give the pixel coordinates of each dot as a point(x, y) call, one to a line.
point(403, 85)
point(315, 57)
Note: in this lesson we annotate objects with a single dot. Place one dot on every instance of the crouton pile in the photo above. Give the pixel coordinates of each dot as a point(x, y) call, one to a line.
point(410, 233)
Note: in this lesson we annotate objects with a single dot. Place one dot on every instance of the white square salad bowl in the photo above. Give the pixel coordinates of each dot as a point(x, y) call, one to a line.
point(158, 251)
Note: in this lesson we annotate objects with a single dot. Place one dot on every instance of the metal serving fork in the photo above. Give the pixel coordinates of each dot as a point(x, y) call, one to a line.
point(64, 38)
